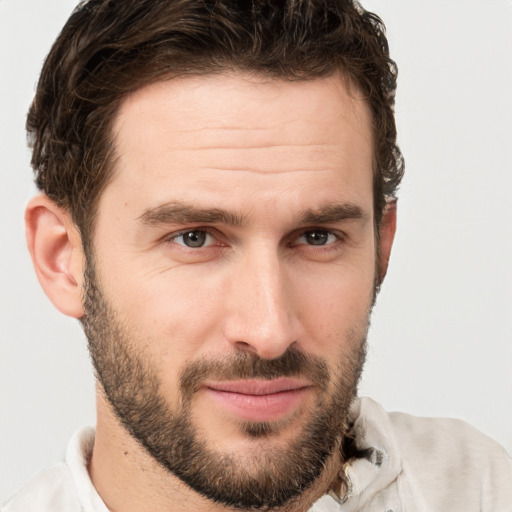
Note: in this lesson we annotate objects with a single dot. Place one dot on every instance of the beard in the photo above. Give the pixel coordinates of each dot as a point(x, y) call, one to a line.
point(265, 479)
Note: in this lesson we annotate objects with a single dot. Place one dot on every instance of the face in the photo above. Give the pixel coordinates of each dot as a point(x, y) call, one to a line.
point(232, 276)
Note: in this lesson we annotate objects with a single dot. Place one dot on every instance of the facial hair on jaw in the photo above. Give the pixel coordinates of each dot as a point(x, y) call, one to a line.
point(264, 480)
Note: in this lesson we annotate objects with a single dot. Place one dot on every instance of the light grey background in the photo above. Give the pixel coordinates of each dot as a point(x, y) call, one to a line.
point(441, 335)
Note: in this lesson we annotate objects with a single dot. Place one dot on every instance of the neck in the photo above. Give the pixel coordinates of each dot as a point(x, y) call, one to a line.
point(128, 479)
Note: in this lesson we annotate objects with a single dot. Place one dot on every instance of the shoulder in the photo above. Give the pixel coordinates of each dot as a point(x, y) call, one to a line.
point(50, 490)
point(450, 440)
point(63, 487)
point(453, 462)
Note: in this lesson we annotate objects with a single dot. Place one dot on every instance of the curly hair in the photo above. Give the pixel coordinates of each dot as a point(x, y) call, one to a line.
point(110, 48)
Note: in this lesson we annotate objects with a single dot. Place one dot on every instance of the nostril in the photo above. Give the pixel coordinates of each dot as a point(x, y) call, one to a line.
point(243, 345)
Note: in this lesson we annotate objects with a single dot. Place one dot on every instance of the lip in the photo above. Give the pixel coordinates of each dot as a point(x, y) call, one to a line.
point(258, 399)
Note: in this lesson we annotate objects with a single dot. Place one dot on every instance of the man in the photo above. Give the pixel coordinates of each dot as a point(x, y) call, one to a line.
point(218, 211)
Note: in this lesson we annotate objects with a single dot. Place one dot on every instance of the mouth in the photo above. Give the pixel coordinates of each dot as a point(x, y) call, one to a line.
point(258, 399)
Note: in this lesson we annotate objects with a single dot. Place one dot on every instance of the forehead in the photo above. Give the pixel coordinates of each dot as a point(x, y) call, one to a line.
point(202, 137)
point(244, 102)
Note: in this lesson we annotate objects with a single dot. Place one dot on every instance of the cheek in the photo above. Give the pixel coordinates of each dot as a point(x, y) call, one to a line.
point(171, 314)
point(335, 305)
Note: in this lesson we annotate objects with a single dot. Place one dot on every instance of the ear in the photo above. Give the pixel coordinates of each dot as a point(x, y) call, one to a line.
point(387, 235)
point(55, 245)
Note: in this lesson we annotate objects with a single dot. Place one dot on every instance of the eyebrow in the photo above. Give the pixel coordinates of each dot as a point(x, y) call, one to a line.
point(332, 213)
point(178, 212)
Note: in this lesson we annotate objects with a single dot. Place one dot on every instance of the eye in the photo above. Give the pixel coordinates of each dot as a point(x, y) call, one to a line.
point(194, 239)
point(317, 237)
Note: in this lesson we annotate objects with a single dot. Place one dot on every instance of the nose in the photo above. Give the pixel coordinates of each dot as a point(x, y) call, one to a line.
point(261, 314)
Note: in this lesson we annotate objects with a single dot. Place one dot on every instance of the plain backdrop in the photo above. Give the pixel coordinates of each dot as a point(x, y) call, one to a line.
point(440, 341)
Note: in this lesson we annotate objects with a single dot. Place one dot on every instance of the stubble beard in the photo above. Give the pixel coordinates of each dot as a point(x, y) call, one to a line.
point(264, 480)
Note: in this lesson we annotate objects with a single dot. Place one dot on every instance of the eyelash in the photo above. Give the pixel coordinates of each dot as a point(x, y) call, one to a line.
point(208, 232)
point(171, 238)
point(322, 232)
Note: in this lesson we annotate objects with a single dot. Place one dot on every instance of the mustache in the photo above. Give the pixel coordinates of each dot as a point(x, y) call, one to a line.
point(248, 365)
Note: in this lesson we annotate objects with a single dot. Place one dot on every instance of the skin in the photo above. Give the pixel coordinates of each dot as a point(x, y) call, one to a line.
point(272, 155)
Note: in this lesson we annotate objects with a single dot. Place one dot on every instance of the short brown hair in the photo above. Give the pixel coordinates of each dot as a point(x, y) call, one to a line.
point(110, 48)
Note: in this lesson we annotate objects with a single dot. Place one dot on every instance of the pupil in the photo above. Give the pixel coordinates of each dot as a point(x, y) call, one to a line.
point(194, 238)
point(316, 237)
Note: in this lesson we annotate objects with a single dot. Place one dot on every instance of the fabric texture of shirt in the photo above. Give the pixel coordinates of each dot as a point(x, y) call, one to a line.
point(403, 464)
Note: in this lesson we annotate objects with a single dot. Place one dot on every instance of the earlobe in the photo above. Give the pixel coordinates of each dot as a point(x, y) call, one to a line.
point(55, 247)
point(387, 235)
